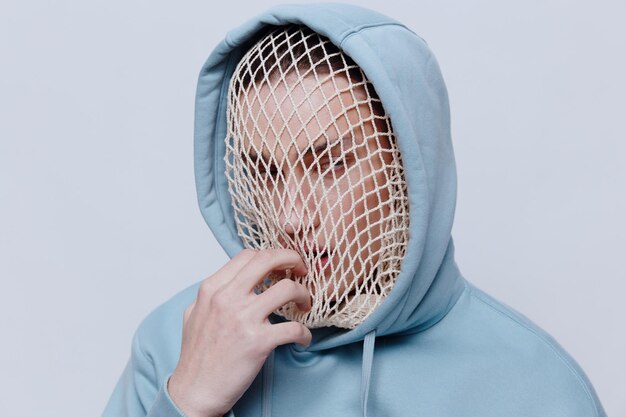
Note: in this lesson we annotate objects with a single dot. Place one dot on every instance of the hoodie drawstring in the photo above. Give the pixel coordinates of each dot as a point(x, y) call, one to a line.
point(366, 373)
point(366, 368)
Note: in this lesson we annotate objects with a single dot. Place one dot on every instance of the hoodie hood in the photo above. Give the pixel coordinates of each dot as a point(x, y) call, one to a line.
point(407, 78)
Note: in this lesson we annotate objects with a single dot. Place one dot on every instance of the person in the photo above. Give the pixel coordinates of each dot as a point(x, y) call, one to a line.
point(324, 167)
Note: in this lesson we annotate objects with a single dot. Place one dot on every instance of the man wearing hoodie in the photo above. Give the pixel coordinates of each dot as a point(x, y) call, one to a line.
point(324, 166)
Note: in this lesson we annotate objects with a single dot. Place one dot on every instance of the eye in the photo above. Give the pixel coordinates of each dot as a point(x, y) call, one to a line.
point(270, 171)
point(334, 163)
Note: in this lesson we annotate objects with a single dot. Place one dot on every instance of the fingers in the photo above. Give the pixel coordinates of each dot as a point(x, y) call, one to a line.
point(219, 279)
point(280, 294)
point(223, 275)
point(266, 261)
point(289, 332)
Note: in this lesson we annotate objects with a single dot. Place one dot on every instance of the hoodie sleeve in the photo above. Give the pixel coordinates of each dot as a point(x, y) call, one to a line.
point(138, 393)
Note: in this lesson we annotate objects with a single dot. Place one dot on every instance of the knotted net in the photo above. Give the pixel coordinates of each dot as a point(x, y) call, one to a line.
point(312, 165)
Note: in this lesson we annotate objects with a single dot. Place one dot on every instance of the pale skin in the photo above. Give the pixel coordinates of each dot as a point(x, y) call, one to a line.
point(330, 190)
point(227, 335)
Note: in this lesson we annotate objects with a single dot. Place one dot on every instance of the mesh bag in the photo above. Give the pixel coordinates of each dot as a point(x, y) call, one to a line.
point(312, 165)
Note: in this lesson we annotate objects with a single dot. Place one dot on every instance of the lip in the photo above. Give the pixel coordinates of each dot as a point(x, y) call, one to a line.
point(320, 260)
point(308, 248)
point(323, 260)
point(319, 257)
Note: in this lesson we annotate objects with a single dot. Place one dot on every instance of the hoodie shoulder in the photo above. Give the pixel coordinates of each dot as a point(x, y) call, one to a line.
point(543, 366)
point(159, 334)
point(155, 350)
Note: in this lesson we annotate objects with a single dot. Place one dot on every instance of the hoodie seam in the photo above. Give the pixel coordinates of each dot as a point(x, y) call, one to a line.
point(357, 29)
point(143, 353)
point(546, 342)
point(146, 358)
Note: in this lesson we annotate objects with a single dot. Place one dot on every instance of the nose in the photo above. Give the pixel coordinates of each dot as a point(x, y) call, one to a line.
point(297, 205)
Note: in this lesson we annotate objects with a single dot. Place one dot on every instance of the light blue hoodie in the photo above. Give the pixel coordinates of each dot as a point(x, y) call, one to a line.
point(437, 346)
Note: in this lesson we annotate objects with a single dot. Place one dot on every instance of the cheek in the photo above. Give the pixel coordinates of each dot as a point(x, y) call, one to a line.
point(343, 201)
point(356, 207)
point(372, 212)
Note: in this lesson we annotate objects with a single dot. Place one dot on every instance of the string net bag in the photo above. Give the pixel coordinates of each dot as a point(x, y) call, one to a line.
point(312, 165)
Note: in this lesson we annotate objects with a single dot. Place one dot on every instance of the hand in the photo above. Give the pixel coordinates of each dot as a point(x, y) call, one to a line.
point(226, 332)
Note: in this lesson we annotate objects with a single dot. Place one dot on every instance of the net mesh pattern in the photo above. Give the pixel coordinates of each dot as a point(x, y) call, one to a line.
point(312, 165)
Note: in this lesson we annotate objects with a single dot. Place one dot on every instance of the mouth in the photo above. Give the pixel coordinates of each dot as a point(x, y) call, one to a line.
point(320, 259)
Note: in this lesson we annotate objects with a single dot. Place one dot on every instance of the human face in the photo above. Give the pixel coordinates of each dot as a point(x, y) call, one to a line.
point(320, 167)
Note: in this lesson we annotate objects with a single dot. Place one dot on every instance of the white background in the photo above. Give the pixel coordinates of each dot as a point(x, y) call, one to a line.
point(99, 222)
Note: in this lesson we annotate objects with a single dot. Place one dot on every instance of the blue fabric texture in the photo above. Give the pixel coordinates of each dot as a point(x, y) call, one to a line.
point(437, 345)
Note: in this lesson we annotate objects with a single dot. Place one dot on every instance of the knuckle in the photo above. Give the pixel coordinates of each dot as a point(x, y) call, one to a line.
point(247, 334)
point(221, 301)
point(286, 285)
point(251, 333)
point(304, 291)
point(264, 256)
point(248, 252)
point(291, 254)
point(279, 251)
point(206, 289)
point(295, 330)
point(289, 285)
point(305, 333)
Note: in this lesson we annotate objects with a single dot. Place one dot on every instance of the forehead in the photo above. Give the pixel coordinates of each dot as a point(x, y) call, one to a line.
point(282, 116)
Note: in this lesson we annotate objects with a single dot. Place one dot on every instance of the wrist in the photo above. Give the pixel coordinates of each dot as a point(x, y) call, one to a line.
point(176, 392)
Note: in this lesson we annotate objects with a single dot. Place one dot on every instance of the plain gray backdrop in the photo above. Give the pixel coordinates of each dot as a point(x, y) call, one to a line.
point(99, 221)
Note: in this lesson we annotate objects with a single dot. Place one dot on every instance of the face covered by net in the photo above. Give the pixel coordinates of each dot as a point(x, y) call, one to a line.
point(312, 165)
